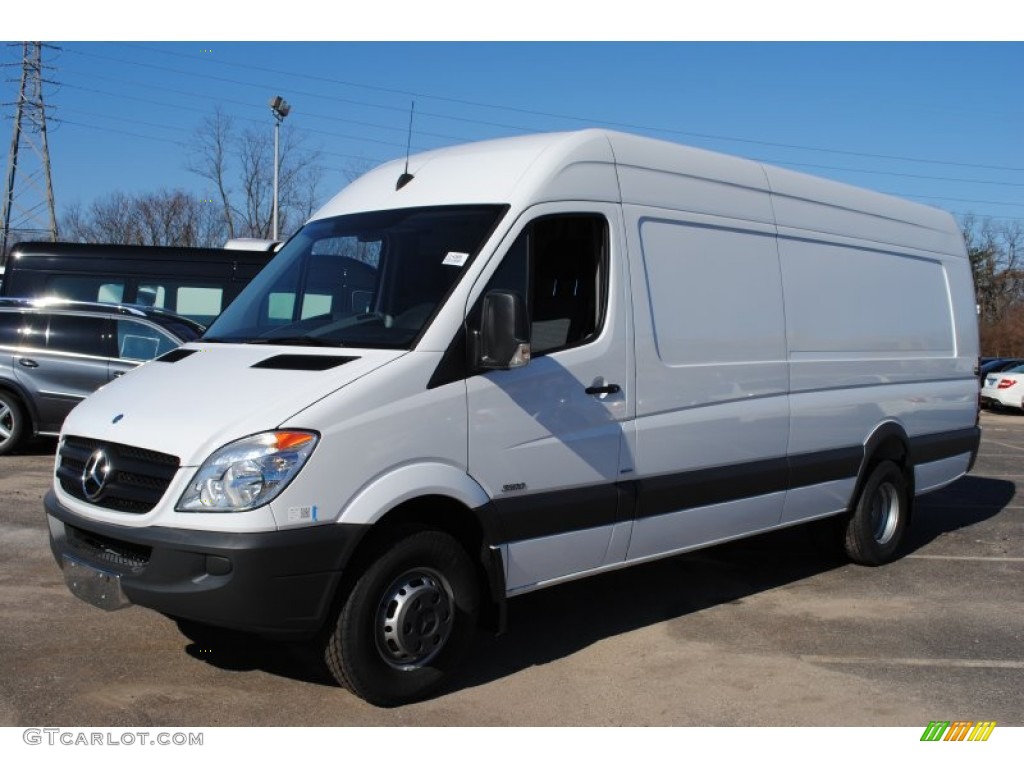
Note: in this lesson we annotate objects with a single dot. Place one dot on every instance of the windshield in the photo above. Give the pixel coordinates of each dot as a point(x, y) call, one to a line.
point(363, 280)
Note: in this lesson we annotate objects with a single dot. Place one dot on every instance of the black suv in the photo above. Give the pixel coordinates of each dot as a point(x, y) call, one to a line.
point(54, 353)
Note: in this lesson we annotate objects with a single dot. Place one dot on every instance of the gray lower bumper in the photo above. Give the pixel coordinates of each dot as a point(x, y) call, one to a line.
point(278, 583)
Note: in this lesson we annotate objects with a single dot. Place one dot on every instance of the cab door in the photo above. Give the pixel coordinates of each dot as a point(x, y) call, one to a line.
point(547, 441)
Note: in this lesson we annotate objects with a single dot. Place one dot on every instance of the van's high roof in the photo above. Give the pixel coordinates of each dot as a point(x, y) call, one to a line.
point(609, 166)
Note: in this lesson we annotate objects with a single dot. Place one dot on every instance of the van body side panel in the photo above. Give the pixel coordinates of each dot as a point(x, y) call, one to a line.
point(819, 500)
point(965, 317)
point(852, 414)
point(863, 304)
point(703, 526)
point(875, 335)
point(661, 175)
point(938, 474)
point(530, 562)
point(836, 210)
point(712, 378)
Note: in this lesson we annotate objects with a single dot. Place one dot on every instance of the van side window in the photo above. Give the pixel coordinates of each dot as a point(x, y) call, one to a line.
point(201, 303)
point(86, 288)
point(199, 300)
point(560, 264)
point(151, 296)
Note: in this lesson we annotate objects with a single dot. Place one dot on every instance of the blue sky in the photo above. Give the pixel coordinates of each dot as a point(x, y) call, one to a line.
point(939, 122)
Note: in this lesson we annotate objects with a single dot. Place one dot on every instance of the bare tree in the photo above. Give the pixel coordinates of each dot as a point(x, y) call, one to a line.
point(996, 250)
point(209, 159)
point(164, 217)
point(240, 166)
point(307, 192)
point(255, 157)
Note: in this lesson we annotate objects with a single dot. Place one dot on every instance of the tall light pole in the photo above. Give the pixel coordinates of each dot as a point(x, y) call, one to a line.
point(280, 108)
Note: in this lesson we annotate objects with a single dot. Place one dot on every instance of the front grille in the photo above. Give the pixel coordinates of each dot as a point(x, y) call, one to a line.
point(104, 549)
point(136, 482)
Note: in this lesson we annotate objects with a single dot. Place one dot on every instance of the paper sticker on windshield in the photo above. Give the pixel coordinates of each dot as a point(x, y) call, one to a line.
point(455, 259)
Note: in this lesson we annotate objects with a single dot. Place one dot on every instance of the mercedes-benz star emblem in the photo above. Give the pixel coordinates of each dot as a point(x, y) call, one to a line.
point(96, 473)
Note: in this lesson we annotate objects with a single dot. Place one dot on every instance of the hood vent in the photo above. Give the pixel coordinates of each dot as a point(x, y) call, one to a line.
point(175, 355)
point(303, 362)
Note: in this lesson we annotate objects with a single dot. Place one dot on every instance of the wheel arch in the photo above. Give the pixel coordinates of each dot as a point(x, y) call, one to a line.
point(888, 442)
point(431, 497)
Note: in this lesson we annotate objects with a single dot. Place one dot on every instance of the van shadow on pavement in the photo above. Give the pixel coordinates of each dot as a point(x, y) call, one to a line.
point(968, 501)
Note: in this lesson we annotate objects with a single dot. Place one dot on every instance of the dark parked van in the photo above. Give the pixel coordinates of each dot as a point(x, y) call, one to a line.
point(194, 282)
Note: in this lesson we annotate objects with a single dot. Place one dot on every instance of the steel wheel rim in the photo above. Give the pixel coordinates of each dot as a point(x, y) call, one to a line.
point(885, 513)
point(414, 619)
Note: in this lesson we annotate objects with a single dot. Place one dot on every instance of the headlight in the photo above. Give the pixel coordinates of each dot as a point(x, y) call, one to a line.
point(247, 473)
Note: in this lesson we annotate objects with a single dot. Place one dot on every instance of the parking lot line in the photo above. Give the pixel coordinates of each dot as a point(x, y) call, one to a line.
point(996, 507)
point(1004, 445)
point(966, 663)
point(967, 557)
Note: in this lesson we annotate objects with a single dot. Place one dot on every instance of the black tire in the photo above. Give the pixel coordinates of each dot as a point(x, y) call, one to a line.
point(406, 622)
point(12, 423)
point(876, 527)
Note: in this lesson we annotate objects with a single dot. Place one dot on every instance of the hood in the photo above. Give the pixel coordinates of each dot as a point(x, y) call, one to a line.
point(200, 396)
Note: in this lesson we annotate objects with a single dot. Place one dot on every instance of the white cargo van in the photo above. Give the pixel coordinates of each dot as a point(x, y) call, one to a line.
point(580, 351)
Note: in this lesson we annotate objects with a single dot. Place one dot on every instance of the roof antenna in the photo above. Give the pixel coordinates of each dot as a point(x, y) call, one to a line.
point(406, 177)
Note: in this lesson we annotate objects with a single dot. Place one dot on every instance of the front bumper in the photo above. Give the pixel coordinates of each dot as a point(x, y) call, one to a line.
point(278, 583)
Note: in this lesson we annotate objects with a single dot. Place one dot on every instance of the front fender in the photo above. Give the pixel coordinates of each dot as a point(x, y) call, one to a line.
point(401, 484)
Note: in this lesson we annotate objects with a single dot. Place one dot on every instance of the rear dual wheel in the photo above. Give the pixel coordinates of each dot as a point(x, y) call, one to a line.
point(876, 527)
point(406, 622)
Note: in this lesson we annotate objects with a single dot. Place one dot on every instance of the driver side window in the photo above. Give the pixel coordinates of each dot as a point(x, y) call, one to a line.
point(560, 265)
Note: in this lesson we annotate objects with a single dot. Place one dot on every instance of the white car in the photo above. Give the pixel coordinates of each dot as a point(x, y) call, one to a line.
point(1003, 389)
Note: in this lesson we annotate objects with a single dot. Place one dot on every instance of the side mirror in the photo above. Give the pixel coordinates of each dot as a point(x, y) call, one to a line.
point(503, 339)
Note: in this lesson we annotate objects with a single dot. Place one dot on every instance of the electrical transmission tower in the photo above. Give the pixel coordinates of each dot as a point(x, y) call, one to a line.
point(28, 210)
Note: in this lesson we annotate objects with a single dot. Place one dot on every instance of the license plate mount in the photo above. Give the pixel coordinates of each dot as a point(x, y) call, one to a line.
point(93, 585)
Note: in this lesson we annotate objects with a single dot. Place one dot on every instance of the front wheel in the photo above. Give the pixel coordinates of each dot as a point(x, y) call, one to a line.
point(875, 529)
point(406, 622)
